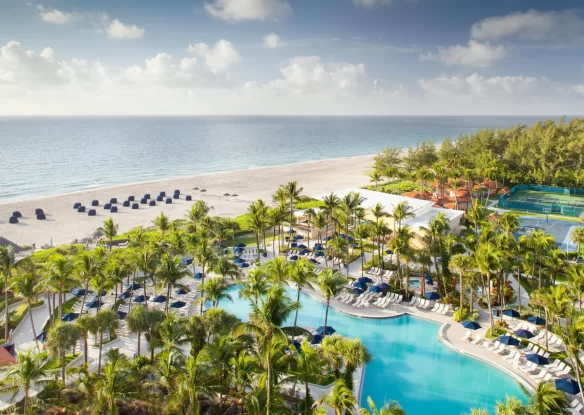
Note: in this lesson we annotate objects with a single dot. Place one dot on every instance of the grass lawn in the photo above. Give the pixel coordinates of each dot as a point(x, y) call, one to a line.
point(542, 215)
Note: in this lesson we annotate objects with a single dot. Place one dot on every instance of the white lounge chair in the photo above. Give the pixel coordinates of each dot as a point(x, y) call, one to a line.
point(467, 336)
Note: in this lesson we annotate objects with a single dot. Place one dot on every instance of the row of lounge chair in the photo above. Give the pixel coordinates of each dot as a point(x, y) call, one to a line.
point(384, 302)
point(554, 342)
point(378, 272)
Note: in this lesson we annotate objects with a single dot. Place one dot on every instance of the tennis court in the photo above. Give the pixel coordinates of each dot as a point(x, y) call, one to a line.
point(560, 230)
point(544, 199)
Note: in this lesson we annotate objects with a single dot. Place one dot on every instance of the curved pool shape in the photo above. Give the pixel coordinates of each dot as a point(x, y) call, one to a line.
point(409, 363)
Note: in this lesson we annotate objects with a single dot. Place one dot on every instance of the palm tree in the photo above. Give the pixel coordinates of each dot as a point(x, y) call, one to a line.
point(26, 285)
point(547, 400)
point(88, 265)
point(487, 261)
point(401, 212)
point(330, 284)
point(205, 255)
point(61, 337)
point(575, 275)
point(278, 270)
point(32, 368)
point(331, 204)
point(292, 192)
point(86, 325)
point(475, 214)
point(244, 367)
point(137, 322)
point(309, 364)
point(340, 399)
point(199, 210)
point(375, 177)
point(389, 408)
point(355, 354)
point(362, 232)
point(106, 320)
point(555, 261)
point(577, 236)
point(511, 406)
point(162, 223)
point(478, 411)
point(7, 261)
point(115, 383)
point(216, 289)
point(190, 382)
point(255, 286)
point(302, 274)
point(463, 264)
point(256, 221)
point(109, 230)
point(170, 272)
point(226, 268)
point(61, 277)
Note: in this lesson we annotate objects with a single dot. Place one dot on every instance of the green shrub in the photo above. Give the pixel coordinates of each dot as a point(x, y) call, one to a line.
point(43, 256)
point(309, 204)
point(460, 315)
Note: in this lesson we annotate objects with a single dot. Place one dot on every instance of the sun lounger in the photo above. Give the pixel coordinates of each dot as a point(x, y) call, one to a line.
point(413, 300)
point(577, 410)
point(467, 336)
point(478, 339)
point(564, 372)
point(542, 376)
point(511, 355)
point(445, 310)
point(436, 306)
point(491, 346)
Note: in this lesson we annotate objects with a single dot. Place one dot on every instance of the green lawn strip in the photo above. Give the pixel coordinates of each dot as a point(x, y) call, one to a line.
point(11, 300)
point(67, 308)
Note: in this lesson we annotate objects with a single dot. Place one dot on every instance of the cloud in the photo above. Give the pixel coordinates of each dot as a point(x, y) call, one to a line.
point(371, 4)
point(55, 16)
point(579, 89)
point(531, 24)
point(474, 54)
point(478, 86)
point(272, 41)
point(119, 30)
point(239, 10)
point(219, 57)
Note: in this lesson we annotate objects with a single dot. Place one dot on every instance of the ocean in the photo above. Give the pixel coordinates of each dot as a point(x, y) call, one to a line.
point(41, 156)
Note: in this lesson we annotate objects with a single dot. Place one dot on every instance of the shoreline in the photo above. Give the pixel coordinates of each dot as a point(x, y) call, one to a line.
point(63, 224)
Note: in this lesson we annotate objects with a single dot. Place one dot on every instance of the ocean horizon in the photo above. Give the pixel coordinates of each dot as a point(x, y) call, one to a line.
point(43, 156)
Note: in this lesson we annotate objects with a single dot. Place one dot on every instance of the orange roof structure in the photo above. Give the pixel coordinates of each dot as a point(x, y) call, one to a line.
point(6, 359)
point(493, 217)
point(416, 194)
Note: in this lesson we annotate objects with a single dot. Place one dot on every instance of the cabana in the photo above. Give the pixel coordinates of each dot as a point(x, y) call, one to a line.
point(38, 210)
point(163, 194)
point(13, 220)
point(81, 209)
point(113, 200)
point(95, 202)
point(114, 209)
point(143, 201)
point(126, 203)
point(176, 196)
point(152, 203)
point(91, 212)
point(168, 201)
point(135, 206)
point(131, 198)
point(176, 192)
point(17, 214)
point(107, 206)
point(41, 216)
point(188, 198)
point(160, 198)
point(76, 205)
point(146, 196)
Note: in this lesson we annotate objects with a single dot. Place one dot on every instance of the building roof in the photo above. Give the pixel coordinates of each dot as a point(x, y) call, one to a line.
point(424, 219)
point(6, 243)
point(6, 359)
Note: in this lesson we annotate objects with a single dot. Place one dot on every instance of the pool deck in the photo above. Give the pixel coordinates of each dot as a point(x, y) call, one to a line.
point(449, 333)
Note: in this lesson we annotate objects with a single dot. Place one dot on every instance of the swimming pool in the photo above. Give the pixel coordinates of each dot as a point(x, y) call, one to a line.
point(409, 363)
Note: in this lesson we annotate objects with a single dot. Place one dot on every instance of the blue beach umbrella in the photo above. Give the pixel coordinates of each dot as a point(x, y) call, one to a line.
point(238, 250)
point(538, 321)
point(328, 238)
point(241, 245)
point(293, 245)
point(365, 280)
point(509, 312)
point(429, 280)
point(510, 341)
point(93, 304)
point(301, 246)
point(388, 251)
point(383, 286)
point(70, 316)
point(360, 285)
point(121, 314)
point(244, 265)
point(187, 260)
point(124, 295)
point(526, 334)
point(375, 289)
point(222, 246)
point(178, 304)
point(318, 247)
point(239, 260)
point(537, 359)
point(42, 337)
point(159, 299)
point(313, 261)
point(319, 253)
point(198, 275)
point(180, 291)
point(304, 252)
point(78, 292)
point(141, 298)
point(569, 386)
point(291, 231)
point(432, 295)
point(294, 258)
point(134, 286)
point(472, 325)
point(321, 330)
point(358, 290)
point(316, 339)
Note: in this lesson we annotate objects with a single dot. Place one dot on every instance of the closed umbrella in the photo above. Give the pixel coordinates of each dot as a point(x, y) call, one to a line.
point(432, 295)
point(472, 325)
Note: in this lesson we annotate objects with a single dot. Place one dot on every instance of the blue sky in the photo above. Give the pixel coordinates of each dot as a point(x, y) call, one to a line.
point(291, 57)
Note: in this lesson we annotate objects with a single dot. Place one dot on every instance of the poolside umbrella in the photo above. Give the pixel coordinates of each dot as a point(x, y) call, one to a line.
point(93, 304)
point(187, 260)
point(70, 316)
point(238, 250)
point(429, 280)
point(241, 245)
point(291, 231)
point(141, 298)
point(244, 265)
point(360, 285)
point(358, 290)
point(296, 345)
point(313, 261)
point(375, 289)
point(526, 334)
point(78, 292)
point(365, 279)
point(42, 337)
point(239, 260)
point(178, 304)
point(388, 251)
point(122, 315)
point(293, 245)
point(104, 292)
point(511, 313)
point(321, 330)
point(180, 291)
point(301, 246)
point(538, 321)
point(198, 275)
point(304, 252)
point(472, 325)
point(159, 299)
point(328, 238)
point(432, 295)
point(298, 237)
point(510, 341)
point(294, 258)
point(538, 359)
point(569, 386)
point(319, 253)
point(134, 286)
point(124, 296)
point(222, 246)
point(383, 286)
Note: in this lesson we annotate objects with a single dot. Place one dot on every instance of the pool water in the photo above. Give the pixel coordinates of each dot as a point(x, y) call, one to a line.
point(409, 363)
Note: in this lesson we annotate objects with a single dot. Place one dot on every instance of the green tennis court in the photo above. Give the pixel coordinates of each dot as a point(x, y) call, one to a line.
point(559, 201)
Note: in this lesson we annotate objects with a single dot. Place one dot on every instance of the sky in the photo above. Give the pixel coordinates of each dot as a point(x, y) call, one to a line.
point(291, 57)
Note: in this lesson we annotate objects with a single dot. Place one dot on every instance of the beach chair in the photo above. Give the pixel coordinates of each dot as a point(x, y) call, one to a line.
point(413, 300)
point(512, 355)
point(445, 310)
point(564, 372)
point(557, 367)
point(467, 336)
point(492, 346)
point(542, 376)
point(399, 298)
point(478, 339)
point(577, 410)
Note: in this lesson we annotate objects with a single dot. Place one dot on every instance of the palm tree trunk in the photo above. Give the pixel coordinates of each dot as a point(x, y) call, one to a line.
point(25, 401)
point(63, 366)
point(269, 382)
point(85, 348)
point(61, 303)
point(328, 300)
point(490, 305)
point(7, 316)
point(461, 289)
point(100, 347)
point(202, 289)
point(297, 301)
point(139, 335)
point(31, 320)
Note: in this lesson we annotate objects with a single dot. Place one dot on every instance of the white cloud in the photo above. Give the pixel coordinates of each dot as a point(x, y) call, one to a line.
point(370, 4)
point(56, 16)
point(219, 57)
point(119, 30)
point(479, 86)
point(531, 24)
point(272, 41)
point(579, 89)
point(238, 10)
point(474, 54)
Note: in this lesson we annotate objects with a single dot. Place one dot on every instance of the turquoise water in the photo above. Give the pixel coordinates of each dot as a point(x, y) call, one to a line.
point(409, 364)
point(54, 155)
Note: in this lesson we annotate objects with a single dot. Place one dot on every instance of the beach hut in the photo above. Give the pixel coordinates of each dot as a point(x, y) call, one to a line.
point(147, 196)
point(95, 202)
point(152, 203)
point(91, 212)
point(163, 194)
point(168, 201)
point(107, 206)
point(17, 214)
point(114, 209)
point(176, 196)
point(81, 209)
point(188, 198)
point(38, 210)
point(131, 198)
point(76, 205)
point(160, 198)
point(135, 205)
point(113, 200)
point(126, 203)
point(41, 216)
point(13, 220)
point(143, 201)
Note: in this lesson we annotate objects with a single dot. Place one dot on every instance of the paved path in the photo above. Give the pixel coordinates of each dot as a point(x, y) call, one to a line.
point(524, 294)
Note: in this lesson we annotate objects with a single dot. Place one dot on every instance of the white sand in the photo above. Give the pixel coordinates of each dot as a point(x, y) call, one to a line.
point(64, 224)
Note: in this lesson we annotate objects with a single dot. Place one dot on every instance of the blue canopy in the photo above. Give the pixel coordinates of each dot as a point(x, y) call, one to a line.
point(296, 345)
point(318, 247)
point(538, 321)
point(388, 251)
point(316, 339)
point(360, 285)
point(70, 316)
point(510, 341)
point(241, 245)
point(375, 289)
point(93, 304)
point(239, 260)
point(293, 245)
point(134, 286)
point(178, 304)
point(42, 337)
point(526, 334)
point(121, 314)
point(313, 261)
point(321, 330)
point(537, 359)
point(472, 325)
point(304, 252)
point(291, 231)
point(509, 312)
point(429, 280)
point(141, 298)
point(432, 295)
point(294, 258)
point(159, 299)
point(187, 260)
point(365, 280)
point(238, 250)
point(124, 295)
point(319, 253)
point(298, 237)
point(244, 265)
point(383, 286)
point(301, 246)
point(180, 291)
point(328, 238)
point(567, 385)
point(198, 275)
point(357, 290)
point(78, 292)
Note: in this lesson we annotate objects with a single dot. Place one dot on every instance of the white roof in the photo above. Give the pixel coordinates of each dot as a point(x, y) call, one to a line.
point(424, 219)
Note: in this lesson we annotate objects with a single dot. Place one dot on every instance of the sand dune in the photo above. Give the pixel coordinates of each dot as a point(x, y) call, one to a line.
point(64, 224)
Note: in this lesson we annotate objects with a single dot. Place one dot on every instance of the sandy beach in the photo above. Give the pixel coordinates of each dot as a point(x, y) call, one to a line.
point(64, 224)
